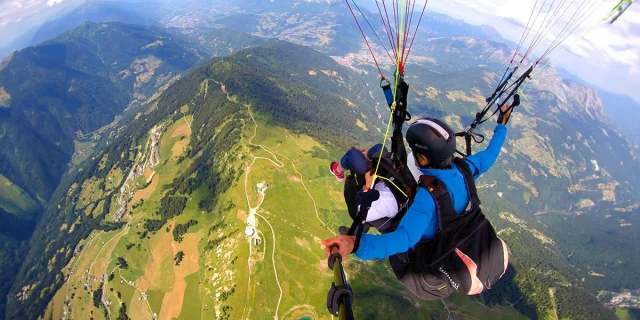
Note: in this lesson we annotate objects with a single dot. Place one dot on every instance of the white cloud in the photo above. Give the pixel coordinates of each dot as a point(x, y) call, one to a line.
point(516, 13)
point(580, 48)
point(17, 17)
point(52, 3)
point(613, 49)
point(10, 11)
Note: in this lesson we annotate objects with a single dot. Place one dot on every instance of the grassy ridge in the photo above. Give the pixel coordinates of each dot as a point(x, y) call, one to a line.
point(14, 199)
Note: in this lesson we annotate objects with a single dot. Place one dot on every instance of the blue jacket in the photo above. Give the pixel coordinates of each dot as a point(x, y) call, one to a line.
point(421, 221)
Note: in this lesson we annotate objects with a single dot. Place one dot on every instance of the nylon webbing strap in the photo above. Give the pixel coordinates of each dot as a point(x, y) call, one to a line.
point(357, 227)
point(464, 168)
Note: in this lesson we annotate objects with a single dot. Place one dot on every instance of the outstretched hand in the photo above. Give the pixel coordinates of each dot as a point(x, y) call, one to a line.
point(505, 114)
point(506, 110)
point(345, 245)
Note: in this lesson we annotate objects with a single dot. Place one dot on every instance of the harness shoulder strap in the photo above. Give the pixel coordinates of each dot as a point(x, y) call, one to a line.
point(464, 168)
point(431, 184)
point(444, 205)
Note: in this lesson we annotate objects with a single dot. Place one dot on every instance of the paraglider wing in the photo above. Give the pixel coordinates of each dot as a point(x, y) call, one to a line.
point(618, 10)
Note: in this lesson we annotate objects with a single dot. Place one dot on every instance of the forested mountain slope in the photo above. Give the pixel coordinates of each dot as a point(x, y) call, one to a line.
point(81, 213)
point(55, 97)
point(183, 174)
point(58, 98)
point(71, 86)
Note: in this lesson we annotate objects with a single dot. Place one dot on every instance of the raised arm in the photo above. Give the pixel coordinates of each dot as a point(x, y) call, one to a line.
point(483, 160)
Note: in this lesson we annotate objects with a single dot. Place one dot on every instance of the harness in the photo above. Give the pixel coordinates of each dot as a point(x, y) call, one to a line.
point(391, 167)
point(466, 253)
point(453, 259)
point(448, 220)
point(394, 180)
point(399, 179)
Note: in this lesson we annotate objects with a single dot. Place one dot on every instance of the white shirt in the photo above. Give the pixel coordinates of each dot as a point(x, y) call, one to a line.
point(385, 207)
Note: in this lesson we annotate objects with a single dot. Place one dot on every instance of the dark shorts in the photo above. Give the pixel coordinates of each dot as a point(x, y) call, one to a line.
point(423, 285)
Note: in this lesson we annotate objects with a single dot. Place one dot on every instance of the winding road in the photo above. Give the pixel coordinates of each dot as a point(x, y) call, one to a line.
point(273, 261)
point(253, 210)
point(276, 162)
point(132, 284)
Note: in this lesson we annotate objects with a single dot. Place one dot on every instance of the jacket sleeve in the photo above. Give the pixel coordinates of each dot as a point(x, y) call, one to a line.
point(483, 160)
point(419, 220)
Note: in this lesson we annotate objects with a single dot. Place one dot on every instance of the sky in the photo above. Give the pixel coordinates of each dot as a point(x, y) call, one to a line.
point(18, 17)
point(607, 57)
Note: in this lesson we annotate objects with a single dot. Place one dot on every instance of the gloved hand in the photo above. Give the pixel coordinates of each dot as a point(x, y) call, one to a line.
point(505, 110)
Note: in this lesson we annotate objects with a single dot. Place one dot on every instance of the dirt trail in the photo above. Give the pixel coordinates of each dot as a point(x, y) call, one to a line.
point(273, 262)
point(315, 206)
point(275, 154)
point(251, 220)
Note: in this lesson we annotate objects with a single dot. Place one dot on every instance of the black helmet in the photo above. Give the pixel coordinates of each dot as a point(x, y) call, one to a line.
point(432, 138)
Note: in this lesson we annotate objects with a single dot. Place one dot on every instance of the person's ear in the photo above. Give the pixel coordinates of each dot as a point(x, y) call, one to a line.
point(423, 161)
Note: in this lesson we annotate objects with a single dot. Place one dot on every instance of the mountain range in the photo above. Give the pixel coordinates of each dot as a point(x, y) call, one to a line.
point(622, 110)
point(59, 97)
point(181, 150)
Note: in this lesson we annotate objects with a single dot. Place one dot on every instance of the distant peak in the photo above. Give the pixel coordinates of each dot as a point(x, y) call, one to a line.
point(6, 61)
